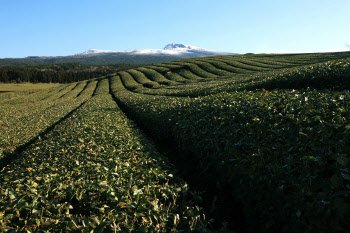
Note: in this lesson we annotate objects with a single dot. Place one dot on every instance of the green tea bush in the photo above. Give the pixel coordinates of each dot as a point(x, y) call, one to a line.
point(95, 172)
point(210, 68)
point(268, 145)
point(224, 66)
point(242, 65)
point(162, 70)
point(195, 69)
point(270, 160)
point(330, 75)
point(154, 75)
point(23, 119)
point(129, 81)
point(188, 75)
point(141, 78)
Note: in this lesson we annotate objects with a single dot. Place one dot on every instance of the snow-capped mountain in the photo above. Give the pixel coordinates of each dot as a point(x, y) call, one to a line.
point(177, 46)
point(169, 50)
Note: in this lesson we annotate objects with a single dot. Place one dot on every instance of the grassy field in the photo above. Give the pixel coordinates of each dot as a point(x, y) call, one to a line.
point(11, 90)
point(245, 143)
point(14, 87)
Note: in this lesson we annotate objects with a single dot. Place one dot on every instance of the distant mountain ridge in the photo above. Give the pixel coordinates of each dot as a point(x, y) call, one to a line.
point(172, 49)
point(177, 46)
point(170, 52)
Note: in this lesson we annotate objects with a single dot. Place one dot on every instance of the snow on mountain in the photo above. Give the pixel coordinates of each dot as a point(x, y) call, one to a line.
point(170, 49)
point(97, 51)
point(183, 47)
point(154, 52)
point(174, 46)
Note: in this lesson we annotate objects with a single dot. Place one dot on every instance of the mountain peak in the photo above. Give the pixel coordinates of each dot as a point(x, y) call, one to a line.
point(173, 46)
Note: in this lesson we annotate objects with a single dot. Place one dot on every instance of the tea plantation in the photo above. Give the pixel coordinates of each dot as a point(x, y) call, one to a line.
point(243, 143)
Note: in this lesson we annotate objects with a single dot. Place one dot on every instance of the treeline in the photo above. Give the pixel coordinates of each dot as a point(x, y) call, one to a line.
point(105, 59)
point(57, 73)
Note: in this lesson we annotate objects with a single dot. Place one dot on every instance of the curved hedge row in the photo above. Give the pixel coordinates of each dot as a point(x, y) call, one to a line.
point(189, 75)
point(141, 78)
point(195, 69)
point(218, 63)
point(23, 121)
point(128, 81)
point(241, 64)
point(278, 63)
point(155, 76)
point(79, 87)
point(210, 68)
point(262, 65)
point(330, 75)
point(160, 69)
point(169, 65)
point(95, 172)
point(176, 77)
point(269, 160)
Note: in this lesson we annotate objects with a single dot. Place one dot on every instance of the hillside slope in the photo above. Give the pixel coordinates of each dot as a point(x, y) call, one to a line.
point(261, 140)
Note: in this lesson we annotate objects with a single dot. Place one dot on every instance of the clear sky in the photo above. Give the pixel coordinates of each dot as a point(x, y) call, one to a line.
point(65, 27)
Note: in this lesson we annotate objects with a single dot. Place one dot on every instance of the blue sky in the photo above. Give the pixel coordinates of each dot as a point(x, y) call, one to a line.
point(65, 27)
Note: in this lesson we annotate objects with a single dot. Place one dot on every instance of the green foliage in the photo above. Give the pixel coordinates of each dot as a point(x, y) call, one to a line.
point(95, 171)
point(280, 148)
point(24, 117)
point(155, 76)
point(57, 73)
point(141, 78)
point(269, 160)
point(265, 137)
point(195, 69)
point(223, 66)
point(330, 75)
point(128, 81)
point(112, 59)
point(211, 69)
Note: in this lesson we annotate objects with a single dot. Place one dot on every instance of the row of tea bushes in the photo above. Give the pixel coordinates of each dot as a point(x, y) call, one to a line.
point(272, 161)
point(26, 117)
point(203, 76)
point(329, 75)
point(95, 171)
